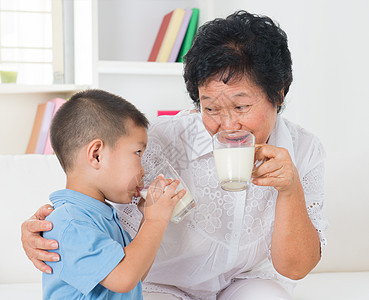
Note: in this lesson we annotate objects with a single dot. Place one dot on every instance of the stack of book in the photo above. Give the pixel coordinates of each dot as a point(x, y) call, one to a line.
point(175, 35)
point(39, 141)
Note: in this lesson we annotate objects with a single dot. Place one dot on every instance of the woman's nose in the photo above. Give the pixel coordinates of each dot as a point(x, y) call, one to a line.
point(230, 121)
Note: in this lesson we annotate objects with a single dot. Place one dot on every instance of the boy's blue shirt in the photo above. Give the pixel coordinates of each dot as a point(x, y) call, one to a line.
point(91, 242)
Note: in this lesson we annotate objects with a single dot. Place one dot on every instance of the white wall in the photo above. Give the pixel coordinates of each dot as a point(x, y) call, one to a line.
point(329, 44)
point(149, 93)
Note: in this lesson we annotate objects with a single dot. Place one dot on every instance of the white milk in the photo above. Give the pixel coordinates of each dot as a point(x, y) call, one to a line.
point(182, 208)
point(234, 167)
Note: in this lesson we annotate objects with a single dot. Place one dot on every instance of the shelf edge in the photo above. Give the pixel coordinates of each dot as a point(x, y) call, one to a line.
point(12, 88)
point(140, 68)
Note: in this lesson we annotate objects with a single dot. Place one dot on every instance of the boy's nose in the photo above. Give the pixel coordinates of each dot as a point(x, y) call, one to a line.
point(142, 172)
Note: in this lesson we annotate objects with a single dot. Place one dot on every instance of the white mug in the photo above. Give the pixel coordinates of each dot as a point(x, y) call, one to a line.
point(234, 152)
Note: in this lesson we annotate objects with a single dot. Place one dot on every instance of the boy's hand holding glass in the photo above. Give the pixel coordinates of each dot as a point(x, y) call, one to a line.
point(164, 169)
point(161, 198)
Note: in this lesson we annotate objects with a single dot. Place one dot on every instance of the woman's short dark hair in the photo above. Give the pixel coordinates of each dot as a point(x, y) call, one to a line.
point(240, 45)
point(89, 115)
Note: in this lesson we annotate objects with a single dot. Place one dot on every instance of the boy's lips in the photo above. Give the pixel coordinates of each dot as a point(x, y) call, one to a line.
point(138, 194)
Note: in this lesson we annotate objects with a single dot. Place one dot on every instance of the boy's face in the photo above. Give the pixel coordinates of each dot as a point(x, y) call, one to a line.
point(122, 171)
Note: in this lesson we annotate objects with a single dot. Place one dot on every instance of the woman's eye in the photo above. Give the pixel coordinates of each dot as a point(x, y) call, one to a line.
point(242, 107)
point(210, 110)
point(138, 152)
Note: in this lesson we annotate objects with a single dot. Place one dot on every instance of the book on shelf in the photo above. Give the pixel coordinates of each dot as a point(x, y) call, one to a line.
point(181, 34)
point(190, 33)
point(160, 36)
point(168, 112)
point(44, 112)
point(48, 149)
point(39, 138)
point(44, 129)
point(170, 34)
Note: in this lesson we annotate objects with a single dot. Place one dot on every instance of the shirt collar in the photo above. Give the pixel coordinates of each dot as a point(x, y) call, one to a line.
point(200, 143)
point(61, 197)
point(281, 137)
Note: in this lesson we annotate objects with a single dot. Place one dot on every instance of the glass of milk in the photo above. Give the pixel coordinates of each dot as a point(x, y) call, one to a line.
point(186, 204)
point(234, 158)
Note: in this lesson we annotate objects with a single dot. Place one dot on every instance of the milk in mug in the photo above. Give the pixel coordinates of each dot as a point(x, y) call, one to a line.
point(234, 167)
point(182, 208)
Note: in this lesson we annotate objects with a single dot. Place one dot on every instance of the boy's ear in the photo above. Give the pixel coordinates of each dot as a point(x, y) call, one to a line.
point(94, 152)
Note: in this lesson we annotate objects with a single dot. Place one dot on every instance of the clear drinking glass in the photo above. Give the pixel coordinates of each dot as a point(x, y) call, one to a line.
point(234, 158)
point(186, 204)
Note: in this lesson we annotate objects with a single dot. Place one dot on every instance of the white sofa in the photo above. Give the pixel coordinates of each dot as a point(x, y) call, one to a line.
point(27, 180)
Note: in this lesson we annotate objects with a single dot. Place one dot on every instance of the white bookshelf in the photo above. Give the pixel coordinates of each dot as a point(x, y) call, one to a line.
point(11, 88)
point(124, 36)
point(139, 68)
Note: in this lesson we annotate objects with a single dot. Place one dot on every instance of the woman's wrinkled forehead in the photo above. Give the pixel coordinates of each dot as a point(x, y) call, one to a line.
point(229, 77)
point(239, 88)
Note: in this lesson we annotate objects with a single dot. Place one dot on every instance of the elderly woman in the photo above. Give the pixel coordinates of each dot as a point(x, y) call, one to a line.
point(235, 245)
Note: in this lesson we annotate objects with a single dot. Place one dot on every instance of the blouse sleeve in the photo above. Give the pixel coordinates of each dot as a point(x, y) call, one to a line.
point(313, 184)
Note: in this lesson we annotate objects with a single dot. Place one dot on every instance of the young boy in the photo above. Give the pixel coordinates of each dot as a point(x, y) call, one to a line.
point(99, 139)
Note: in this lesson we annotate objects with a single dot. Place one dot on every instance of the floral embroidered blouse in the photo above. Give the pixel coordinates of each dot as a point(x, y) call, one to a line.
point(228, 235)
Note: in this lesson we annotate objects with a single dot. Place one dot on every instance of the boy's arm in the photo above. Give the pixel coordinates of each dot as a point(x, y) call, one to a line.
point(141, 252)
point(139, 256)
point(141, 205)
point(147, 272)
point(141, 208)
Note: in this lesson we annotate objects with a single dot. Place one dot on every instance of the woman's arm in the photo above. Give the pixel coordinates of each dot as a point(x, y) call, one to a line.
point(34, 244)
point(295, 248)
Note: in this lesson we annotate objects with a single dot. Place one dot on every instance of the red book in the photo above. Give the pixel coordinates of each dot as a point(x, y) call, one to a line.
point(168, 112)
point(160, 36)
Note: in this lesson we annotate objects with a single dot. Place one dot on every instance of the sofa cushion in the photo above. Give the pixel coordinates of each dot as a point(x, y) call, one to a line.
point(316, 286)
point(340, 285)
point(346, 208)
point(21, 291)
point(26, 182)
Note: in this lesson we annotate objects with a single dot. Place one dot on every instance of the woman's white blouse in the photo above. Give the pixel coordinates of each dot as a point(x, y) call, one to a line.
point(228, 235)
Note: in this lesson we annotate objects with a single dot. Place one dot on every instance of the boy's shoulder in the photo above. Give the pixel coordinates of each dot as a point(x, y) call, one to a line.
point(63, 216)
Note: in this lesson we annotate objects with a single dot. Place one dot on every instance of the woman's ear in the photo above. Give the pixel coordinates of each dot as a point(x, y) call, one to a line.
point(282, 95)
point(280, 105)
point(94, 153)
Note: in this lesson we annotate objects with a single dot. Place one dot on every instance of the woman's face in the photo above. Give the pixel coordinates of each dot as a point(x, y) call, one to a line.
point(237, 105)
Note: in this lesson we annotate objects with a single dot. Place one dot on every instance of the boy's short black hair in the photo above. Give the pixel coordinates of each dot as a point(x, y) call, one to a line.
point(88, 115)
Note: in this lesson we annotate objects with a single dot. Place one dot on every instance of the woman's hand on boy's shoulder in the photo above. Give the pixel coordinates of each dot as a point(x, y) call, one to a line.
point(34, 244)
